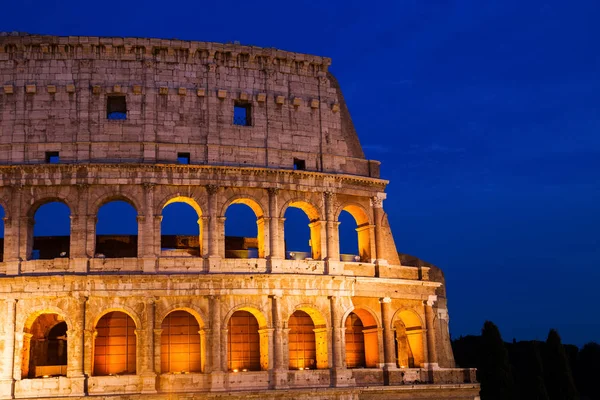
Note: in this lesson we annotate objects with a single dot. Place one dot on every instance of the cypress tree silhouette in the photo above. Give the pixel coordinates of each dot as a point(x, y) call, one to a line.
point(537, 387)
point(493, 369)
point(588, 368)
point(559, 380)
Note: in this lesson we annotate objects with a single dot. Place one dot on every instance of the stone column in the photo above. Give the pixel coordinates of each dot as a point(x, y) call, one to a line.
point(430, 326)
point(147, 349)
point(266, 344)
point(278, 365)
point(157, 354)
point(78, 236)
point(378, 214)
point(334, 267)
point(216, 348)
point(340, 376)
point(7, 331)
point(76, 350)
point(274, 228)
point(214, 254)
point(11, 232)
point(147, 232)
point(75, 342)
point(205, 360)
point(25, 237)
point(90, 222)
point(89, 339)
point(389, 341)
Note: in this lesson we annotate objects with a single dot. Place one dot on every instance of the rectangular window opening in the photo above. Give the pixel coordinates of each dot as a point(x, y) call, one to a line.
point(116, 108)
point(242, 113)
point(299, 164)
point(52, 157)
point(183, 158)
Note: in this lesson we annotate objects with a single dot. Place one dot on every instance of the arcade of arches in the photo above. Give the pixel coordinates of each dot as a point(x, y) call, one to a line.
point(119, 344)
point(114, 232)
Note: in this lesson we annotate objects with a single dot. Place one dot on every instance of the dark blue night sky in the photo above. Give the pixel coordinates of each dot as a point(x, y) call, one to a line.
point(485, 115)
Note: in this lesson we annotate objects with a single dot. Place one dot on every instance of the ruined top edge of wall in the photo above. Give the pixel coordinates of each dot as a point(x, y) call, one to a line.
point(183, 51)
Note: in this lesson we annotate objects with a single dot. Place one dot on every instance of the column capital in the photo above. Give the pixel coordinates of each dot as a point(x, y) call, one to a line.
point(329, 196)
point(140, 218)
point(385, 300)
point(431, 300)
point(377, 200)
point(273, 191)
point(148, 186)
point(212, 189)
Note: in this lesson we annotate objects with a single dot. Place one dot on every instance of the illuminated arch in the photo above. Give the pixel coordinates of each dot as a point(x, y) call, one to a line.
point(247, 339)
point(172, 199)
point(44, 347)
point(307, 341)
point(408, 330)
point(248, 200)
point(258, 210)
point(121, 308)
point(361, 338)
point(182, 348)
point(115, 352)
point(363, 229)
point(315, 225)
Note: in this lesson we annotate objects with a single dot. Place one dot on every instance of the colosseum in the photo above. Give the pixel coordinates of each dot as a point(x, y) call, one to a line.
point(87, 122)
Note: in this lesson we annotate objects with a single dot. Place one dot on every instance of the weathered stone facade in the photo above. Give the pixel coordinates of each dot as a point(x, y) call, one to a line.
point(374, 327)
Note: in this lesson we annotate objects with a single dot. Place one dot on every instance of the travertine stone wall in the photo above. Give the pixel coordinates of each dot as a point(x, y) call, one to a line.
point(180, 98)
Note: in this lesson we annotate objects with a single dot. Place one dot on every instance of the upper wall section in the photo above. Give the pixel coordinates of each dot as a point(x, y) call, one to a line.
point(179, 98)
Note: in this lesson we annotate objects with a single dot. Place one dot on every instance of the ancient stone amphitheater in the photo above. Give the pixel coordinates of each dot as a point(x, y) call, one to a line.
point(86, 121)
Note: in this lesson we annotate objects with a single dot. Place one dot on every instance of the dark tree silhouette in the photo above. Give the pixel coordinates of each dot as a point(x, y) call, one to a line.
point(558, 377)
point(588, 371)
point(493, 369)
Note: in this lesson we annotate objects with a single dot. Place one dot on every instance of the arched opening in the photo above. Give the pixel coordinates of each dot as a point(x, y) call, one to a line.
point(116, 230)
point(301, 341)
point(181, 228)
point(302, 232)
point(244, 230)
point(51, 231)
point(180, 350)
point(355, 235)
point(362, 343)
point(243, 343)
point(115, 345)
point(409, 340)
point(45, 347)
point(2, 215)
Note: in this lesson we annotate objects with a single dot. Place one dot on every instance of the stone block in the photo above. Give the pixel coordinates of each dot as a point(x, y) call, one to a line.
point(96, 89)
point(314, 103)
point(51, 89)
point(182, 91)
point(117, 89)
point(70, 88)
point(280, 100)
point(9, 89)
point(163, 91)
point(297, 101)
point(221, 94)
point(201, 92)
point(261, 97)
point(244, 96)
point(137, 89)
point(335, 107)
point(30, 89)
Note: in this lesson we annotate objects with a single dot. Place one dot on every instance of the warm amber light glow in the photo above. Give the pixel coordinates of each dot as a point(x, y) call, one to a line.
point(243, 342)
point(180, 343)
point(115, 345)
